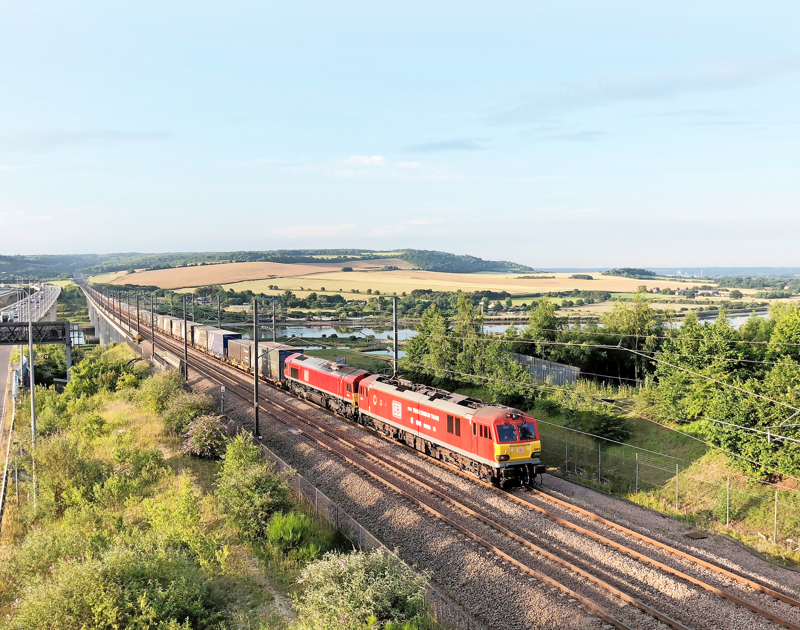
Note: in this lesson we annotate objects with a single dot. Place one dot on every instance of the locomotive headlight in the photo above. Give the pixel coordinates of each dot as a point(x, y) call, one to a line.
point(502, 458)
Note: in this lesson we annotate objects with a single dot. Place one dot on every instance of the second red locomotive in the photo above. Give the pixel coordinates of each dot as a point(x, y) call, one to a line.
point(496, 443)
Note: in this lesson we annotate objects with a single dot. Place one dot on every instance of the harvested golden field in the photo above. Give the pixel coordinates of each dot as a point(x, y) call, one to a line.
point(106, 278)
point(228, 273)
point(406, 280)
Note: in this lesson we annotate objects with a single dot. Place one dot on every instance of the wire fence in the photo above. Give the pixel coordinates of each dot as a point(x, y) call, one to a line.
point(709, 496)
point(6, 434)
point(445, 611)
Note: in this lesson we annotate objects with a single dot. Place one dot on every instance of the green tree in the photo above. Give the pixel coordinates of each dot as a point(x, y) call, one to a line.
point(544, 325)
point(430, 353)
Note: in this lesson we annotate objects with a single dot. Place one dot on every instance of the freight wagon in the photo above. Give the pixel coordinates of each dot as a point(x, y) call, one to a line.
point(217, 340)
point(273, 355)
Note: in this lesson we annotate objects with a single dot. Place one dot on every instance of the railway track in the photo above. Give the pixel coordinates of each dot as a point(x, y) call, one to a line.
point(510, 542)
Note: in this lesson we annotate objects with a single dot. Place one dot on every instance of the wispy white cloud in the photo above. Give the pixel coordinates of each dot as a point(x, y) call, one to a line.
point(305, 231)
point(716, 76)
point(366, 160)
point(408, 164)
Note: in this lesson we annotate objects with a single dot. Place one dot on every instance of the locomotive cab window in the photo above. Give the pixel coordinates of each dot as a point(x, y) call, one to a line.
point(506, 433)
point(295, 373)
point(458, 427)
point(474, 428)
point(526, 432)
point(449, 424)
point(349, 389)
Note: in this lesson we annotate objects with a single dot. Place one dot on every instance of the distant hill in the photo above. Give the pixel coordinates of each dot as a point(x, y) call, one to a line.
point(43, 266)
point(422, 259)
point(442, 261)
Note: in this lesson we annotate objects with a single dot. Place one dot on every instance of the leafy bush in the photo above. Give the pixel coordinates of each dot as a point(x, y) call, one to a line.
point(40, 550)
point(97, 372)
point(288, 531)
point(185, 408)
point(128, 587)
point(358, 590)
point(158, 391)
point(248, 489)
point(205, 437)
point(142, 463)
point(66, 473)
point(175, 523)
point(90, 425)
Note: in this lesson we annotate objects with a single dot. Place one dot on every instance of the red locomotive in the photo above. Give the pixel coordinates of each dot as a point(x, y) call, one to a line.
point(494, 442)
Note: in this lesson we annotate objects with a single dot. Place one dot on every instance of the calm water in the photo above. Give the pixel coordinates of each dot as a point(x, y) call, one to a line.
point(406, 332)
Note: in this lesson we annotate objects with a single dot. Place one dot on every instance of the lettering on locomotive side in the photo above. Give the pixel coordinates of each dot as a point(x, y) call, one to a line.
point(424, 413)
point(305, 375)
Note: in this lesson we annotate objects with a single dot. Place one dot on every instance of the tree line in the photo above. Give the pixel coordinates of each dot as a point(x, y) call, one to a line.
point(732, 386)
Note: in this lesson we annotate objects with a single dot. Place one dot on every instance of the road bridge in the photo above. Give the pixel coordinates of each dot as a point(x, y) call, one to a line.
point(41, 305)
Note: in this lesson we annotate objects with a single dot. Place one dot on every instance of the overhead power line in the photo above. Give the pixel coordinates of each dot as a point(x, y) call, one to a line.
point(545, 342)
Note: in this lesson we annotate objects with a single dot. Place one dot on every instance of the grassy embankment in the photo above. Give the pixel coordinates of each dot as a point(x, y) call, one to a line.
point(128, 530)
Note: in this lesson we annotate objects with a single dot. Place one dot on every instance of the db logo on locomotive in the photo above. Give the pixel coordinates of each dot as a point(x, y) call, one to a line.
point(397, 409)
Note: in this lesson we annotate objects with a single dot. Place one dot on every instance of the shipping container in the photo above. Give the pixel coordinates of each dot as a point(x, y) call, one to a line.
point(239, 352)
point(201, 337)
point(167, 324)
point(178, 329)
point(273, 358)
point(217, 340)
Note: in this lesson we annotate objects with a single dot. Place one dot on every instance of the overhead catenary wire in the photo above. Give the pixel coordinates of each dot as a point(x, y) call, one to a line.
point(650, 358)
point(535, 386)
point(612, 404)
point(547, 342)
point(711, 378)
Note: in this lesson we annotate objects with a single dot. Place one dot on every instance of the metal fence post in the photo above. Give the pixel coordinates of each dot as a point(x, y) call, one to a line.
point(316, 500)
point(676, 487)
point(637, 473)
point(775, 524)
point(728, 503)
point(566, 454)
point(599, 460)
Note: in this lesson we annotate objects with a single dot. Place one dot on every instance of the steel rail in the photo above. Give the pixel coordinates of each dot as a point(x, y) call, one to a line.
point(211, 361)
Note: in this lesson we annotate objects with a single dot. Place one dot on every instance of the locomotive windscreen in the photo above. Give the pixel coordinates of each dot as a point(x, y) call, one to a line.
point(525, 433)
point(506, 433)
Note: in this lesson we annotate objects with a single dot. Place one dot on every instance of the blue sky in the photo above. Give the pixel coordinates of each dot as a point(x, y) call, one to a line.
point(553, 134)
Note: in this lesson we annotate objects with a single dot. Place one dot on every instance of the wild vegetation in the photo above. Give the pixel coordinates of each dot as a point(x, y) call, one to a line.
point(731, 386)
point(140, 524)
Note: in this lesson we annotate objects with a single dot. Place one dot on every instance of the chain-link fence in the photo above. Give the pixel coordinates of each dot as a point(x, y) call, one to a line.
point(446, 612)
point(707, 495)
